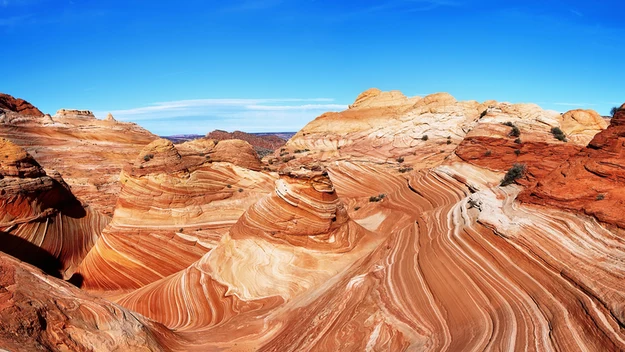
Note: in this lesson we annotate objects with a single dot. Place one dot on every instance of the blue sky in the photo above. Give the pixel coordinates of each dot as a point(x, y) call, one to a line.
point(192, 66)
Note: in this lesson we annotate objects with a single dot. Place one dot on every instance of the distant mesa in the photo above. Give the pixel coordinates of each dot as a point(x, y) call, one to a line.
point(19, 106)
point(71, 113)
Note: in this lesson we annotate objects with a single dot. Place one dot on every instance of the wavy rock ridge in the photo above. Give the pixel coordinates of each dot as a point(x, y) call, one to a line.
point(369, 237)
point(40, 219)
point(88, 152)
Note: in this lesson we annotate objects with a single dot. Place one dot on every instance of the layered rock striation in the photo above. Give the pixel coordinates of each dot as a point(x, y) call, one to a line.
point(41, 221)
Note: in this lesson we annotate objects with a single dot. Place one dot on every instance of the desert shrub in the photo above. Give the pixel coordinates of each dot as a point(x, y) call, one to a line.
point(284, 153)
point(405, 169)
point(377, 198)
point(263, 152)
point(515, 132)
point(614, 110)
point(488, 153)
point(600, 197)
point(558, 133)
point(356, 208)
point(286, 159)
point(400, 159)
point(517, 141)
point(297, 151)
point(148, 157)
point(516, 171)
point(448, 141)
point(517, 152)
point(229, 186)
point(240, 190)
point(425, 137)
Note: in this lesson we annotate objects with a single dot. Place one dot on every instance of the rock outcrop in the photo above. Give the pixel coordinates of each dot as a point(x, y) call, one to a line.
point(18, 106)
point(175, 203)
point(41, 313)
point(76, 114)
point(265, 141)
point(592, 181)
point(385, 228)
point(88, 152)
point(41, 221)
point(109, 117)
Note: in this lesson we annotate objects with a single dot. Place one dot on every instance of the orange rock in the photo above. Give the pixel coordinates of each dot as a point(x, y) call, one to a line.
point(41, 221)
point(592, 181)
point(19, 106)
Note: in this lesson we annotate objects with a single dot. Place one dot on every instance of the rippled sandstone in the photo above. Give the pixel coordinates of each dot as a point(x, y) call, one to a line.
point(88, 152)
point(592, 181)
point(41, 221)
point(370, 237)
point(175, 204)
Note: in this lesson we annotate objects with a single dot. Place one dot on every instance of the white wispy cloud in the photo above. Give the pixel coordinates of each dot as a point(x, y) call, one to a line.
point(204, 115)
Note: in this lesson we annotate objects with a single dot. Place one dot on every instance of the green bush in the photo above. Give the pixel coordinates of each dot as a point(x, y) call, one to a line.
point(559, 134)
point(488, 153)
point(425, 137)
point(516, 171)
point(400, 159)
point(614, 110)
point(517, 141)
point(517, 152)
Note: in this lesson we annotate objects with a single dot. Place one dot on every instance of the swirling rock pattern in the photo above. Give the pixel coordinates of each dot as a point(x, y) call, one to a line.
point(88, 152)
point(174, 206)
point(352, 249)
point(40, 220)
point(41, 313)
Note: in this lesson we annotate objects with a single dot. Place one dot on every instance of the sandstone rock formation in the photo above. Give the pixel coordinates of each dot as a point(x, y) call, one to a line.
point(109, 117)
point(18, 106)
point(267, 142)
point(592, 181)
point(175, 203)
point(369, 236)
point(72, 113)
point(41, 221)
point(41, 313)
point(89, 153)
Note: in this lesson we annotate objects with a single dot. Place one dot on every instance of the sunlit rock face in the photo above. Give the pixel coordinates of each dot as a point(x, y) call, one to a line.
point(392, 242)
point(88, 152)
point(41, 221)
point(592, 181)
point(175, 204)
point(11, 105)
point(42, 313)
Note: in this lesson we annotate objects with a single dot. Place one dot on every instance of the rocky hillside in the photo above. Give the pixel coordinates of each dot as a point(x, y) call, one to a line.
point(399, 224)
point(88, 152)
